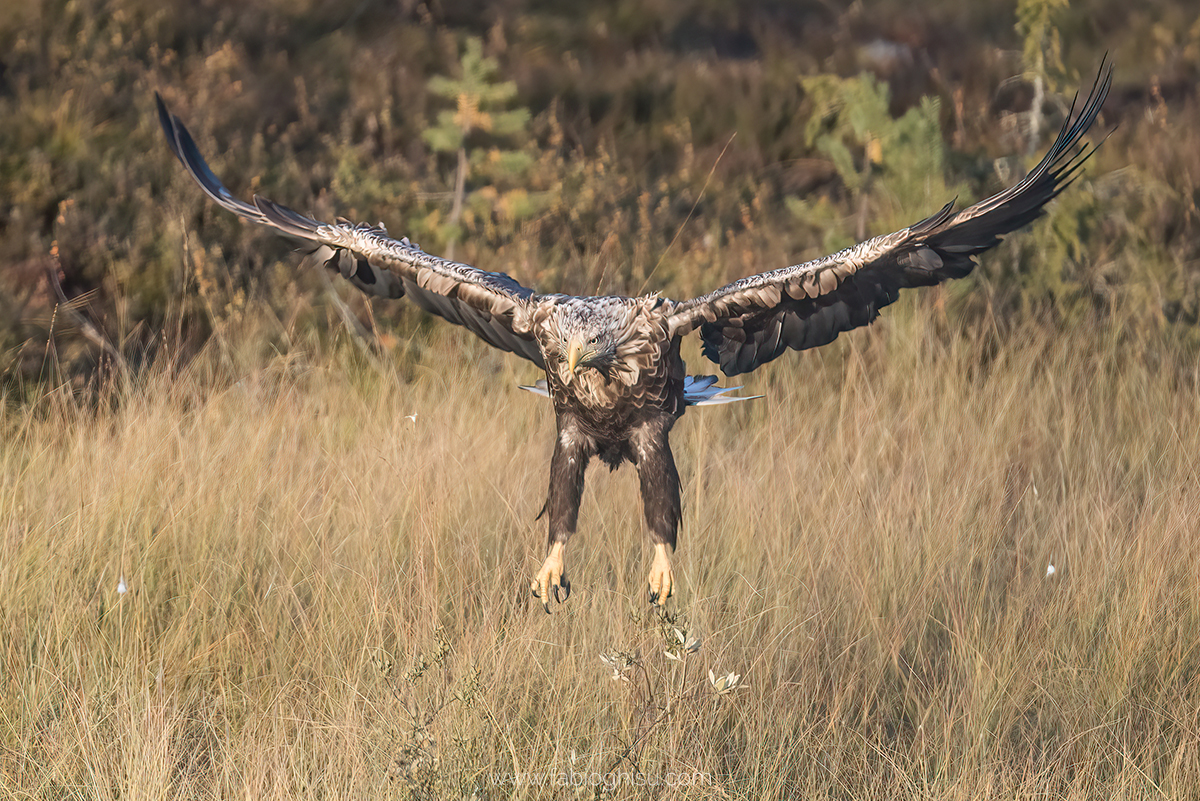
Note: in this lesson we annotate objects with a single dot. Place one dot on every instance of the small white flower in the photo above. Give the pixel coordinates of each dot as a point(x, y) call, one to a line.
point(1050, 570)
point(725, 684)
point(121, 586)
point(618, 664)
point(683, 646)
point(412, 417)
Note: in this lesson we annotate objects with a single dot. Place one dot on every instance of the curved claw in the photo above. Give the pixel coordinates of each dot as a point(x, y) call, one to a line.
point(565, 586)
point(551, 579)
point(662, 580)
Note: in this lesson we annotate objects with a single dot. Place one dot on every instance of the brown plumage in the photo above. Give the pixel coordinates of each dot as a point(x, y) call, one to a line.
point(612, 364)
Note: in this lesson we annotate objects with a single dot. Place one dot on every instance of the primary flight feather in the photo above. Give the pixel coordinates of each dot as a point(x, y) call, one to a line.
point(612, 364)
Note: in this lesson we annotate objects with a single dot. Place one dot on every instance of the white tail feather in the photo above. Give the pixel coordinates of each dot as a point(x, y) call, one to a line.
point(698, 390)
point(539, 388)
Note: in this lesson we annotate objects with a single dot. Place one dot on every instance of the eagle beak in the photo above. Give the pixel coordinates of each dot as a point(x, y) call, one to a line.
point(573, 354)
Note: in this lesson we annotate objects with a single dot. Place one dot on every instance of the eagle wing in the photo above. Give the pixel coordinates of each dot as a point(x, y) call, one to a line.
point(749, 322)
point(492, 305)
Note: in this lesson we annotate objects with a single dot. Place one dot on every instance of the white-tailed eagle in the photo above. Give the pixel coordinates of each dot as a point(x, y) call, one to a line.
point(612, 363)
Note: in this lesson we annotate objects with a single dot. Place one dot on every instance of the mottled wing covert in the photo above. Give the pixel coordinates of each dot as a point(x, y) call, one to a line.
point(752, 321)
point(492, 305)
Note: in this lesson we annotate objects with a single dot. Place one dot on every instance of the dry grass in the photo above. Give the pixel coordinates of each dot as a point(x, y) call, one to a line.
point(329, 600)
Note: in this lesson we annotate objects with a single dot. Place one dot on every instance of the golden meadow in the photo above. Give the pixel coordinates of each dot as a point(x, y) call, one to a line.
point(272, 550)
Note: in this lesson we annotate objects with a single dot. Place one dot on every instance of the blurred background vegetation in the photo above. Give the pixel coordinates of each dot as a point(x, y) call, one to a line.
point(581, 147)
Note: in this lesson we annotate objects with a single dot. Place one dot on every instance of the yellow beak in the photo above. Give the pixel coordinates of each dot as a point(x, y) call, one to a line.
point(573, 353)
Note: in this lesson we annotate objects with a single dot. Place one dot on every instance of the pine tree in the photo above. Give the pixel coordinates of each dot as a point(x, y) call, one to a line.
point(480, 100)
point(897, 163)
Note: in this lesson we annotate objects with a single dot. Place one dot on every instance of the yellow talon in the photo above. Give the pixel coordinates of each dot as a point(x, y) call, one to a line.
point(662, 580)
point(551, 577)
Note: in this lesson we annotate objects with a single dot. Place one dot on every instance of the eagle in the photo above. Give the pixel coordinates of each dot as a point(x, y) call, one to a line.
point(612, 366)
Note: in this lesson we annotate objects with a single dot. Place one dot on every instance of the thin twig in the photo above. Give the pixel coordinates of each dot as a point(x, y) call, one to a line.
point(689, 214)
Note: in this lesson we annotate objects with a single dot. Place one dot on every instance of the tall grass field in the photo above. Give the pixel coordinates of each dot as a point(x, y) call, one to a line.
point(939, 563)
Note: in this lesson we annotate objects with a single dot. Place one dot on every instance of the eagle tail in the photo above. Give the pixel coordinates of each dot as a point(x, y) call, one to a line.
point(702, 390)
point(538, 388)
point(698, 390)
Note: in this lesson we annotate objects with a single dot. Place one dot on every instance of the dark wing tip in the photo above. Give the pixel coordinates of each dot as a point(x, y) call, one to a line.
point(185, 149)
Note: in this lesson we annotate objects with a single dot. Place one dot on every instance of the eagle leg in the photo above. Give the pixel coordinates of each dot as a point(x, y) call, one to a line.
point(572, 452)
point(660, 501)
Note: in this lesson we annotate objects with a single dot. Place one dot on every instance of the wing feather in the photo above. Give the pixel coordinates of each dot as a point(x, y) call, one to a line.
point(751, 321)
point(492, 305)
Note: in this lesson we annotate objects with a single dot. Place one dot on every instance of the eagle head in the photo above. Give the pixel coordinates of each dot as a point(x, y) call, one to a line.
point(585, 333)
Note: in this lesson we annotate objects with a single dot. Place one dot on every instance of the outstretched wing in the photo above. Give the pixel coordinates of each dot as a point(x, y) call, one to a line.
point(752, 321)
point(492, 305)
